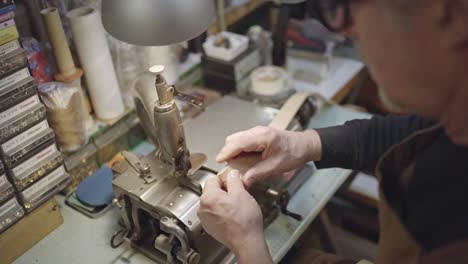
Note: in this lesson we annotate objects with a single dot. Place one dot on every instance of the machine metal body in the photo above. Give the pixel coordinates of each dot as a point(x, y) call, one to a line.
point(159, 194)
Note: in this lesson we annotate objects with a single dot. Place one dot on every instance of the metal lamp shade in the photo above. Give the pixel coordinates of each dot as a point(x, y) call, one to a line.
point(157, 22)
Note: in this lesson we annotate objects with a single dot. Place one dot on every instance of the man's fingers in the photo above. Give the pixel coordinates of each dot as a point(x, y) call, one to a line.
point(228, 152)
point(241, 142)
point(252, 140)
point(213, 183)
point(234, 183)
point(258, 172)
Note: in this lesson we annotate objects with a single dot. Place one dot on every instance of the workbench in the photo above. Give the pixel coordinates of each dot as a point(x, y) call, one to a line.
point(345, 74)
point(84, 240)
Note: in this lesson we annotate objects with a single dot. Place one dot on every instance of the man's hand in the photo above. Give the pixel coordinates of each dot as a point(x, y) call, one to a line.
point(234, 218)
point(282, 151)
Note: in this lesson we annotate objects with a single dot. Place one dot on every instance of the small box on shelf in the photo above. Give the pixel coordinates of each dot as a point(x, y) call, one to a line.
point(44, 189)
point(12, 58)
point(21, 117)
point(8, 31)
point(10, 213)
point(36, 167)
point(23, 146)
point(6, 188)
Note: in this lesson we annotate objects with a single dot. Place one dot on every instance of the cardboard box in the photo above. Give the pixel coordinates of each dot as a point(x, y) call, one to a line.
point(8, 32)
point(19, 238)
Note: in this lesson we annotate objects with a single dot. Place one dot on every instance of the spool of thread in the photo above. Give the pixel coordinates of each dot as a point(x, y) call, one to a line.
point(65, 114)
point(270, 81)
point(88, 119)
point(68, 72)
point(63, 57)
point(93, 51)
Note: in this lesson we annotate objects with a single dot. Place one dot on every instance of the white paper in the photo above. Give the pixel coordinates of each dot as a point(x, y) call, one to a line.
point(93, 51)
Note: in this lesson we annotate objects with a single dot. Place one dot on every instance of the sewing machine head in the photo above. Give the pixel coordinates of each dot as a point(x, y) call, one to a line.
point(159, 194)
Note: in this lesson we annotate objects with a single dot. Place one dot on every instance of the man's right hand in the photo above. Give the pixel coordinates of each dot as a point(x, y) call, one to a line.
point(282, 151)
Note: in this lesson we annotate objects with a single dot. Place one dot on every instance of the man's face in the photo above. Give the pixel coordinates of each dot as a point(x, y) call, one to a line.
point(413, 68)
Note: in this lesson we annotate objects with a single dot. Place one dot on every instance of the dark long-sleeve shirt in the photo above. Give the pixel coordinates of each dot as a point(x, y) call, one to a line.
point(432, 205)
point(359, 144)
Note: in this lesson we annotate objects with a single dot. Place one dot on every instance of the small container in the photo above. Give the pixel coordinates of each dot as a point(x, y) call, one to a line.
point(6, 189)
point(112, 142)
point(136, 134)
point(10, 212)
point(81, 164)
point(13, 61)
point(34, 168)
point(23, 146)
point(17, 92)
point(45, 188)
point(237, 45)
point(20, 117)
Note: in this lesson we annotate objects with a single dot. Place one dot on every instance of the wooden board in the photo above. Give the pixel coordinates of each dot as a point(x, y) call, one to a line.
point(19, 238)
point(343, 92)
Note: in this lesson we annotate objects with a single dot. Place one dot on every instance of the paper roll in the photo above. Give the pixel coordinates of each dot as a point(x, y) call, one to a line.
point(93, 51)
point(63, 56)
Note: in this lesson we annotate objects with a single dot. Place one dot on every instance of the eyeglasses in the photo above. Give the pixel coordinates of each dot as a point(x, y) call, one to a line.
point(333, 14)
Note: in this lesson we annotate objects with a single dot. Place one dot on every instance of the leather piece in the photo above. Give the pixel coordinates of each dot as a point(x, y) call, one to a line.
point(281, 121)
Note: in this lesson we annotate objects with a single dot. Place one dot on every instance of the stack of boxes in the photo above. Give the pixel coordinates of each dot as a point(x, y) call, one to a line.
point(8, 31)
point(32, 166)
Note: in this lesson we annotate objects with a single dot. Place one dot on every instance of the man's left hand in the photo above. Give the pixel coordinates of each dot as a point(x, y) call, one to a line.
point(234, 218)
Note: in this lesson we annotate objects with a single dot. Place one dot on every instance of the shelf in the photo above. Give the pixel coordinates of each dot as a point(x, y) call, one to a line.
point(233, 15)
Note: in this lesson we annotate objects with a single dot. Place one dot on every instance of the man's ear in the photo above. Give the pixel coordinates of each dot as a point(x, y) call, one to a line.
point(452, 22)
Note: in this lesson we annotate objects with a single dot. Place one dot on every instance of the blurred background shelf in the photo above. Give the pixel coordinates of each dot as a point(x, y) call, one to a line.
point(235, 14)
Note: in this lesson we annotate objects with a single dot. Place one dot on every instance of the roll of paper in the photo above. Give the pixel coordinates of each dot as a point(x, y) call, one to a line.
point(63, 56)
point(93, 52)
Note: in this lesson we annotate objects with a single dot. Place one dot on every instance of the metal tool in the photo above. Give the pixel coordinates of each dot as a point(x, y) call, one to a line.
point(159, 194)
